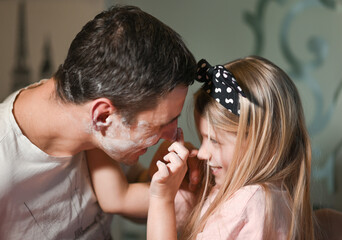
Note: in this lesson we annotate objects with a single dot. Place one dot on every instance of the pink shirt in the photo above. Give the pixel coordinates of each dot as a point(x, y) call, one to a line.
point(243, 215)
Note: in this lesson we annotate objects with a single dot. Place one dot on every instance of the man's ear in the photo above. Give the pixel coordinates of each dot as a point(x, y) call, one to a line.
point(101, 109)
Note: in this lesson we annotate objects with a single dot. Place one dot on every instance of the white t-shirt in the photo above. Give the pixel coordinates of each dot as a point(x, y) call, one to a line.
point(44, 197)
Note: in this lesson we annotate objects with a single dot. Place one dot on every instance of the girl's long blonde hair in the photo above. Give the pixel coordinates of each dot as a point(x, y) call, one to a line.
point(272, 148)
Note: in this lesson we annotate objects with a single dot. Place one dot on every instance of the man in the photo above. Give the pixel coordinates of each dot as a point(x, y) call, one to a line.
point(120, 89)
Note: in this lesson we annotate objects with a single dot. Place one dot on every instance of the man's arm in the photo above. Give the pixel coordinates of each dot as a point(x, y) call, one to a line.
point(114, 193)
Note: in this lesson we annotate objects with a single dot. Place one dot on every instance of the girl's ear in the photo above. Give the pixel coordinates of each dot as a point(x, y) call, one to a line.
point(101, 109)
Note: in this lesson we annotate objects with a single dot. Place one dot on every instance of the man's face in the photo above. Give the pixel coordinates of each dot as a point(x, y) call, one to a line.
point(126, 143)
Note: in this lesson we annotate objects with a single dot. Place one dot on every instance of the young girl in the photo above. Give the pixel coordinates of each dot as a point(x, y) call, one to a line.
point(256, 146)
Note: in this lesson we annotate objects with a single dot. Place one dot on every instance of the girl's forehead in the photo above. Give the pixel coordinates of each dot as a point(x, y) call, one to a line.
point(205, 127)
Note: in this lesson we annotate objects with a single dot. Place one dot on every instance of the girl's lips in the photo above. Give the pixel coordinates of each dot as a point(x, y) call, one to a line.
point(211, 165)
point(215, 169)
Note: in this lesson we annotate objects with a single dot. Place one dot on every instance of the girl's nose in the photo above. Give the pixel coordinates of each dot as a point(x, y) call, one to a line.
point(203, 153)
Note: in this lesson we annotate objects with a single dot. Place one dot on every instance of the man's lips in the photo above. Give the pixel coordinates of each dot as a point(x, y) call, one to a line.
point(142, 151)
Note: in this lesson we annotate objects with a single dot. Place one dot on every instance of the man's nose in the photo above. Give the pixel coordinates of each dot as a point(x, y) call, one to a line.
point(169, 132)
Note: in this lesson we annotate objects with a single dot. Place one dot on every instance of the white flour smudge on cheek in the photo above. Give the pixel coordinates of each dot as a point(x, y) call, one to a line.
point(143, 131)
point(117, 138)
point(121, 141)
point(151, 140)
point(117, 129)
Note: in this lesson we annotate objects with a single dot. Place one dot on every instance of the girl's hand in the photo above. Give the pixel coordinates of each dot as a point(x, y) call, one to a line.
point(166, 181)
point(194, 173)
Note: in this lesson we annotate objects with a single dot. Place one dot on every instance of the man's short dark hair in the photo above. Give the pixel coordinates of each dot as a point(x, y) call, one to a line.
point(127, 56)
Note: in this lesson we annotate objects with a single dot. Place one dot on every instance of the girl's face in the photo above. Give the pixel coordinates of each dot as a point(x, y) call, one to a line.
point(217, 148)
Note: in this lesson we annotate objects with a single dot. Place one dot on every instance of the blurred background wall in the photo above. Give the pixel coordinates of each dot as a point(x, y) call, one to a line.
point(301, 36)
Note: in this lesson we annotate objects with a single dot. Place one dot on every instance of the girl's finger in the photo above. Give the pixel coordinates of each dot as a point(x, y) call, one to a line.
point(193, 153)
point(175, 162)
point(162, 172)
point(178, 148)
point(173, 158)
point(194, 166)
point(180, 136)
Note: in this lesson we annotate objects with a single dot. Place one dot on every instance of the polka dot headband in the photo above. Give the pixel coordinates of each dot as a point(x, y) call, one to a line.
point(220, 84)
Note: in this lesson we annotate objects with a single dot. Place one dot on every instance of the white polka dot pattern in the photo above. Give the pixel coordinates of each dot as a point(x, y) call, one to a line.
point(220, 84)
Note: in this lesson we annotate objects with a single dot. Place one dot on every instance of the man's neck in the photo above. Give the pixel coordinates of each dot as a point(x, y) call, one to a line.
point(57, 128)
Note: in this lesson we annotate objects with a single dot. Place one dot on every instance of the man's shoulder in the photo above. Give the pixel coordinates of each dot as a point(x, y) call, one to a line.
point(5, 114)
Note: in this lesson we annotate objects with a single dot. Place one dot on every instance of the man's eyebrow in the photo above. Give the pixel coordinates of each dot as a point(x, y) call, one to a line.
point(173, 119)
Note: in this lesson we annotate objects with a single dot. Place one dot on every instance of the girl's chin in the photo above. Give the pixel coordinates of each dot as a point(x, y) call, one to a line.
point(219, 176)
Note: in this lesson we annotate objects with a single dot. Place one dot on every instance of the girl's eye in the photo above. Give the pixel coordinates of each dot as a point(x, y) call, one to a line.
point(213, 140)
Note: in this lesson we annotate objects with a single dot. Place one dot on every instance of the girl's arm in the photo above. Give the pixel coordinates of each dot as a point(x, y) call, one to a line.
point(161, 222)
point(113, 192)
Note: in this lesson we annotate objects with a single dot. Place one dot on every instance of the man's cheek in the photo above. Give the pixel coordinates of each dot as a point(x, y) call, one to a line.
point(152, 140)
point(170, 134)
